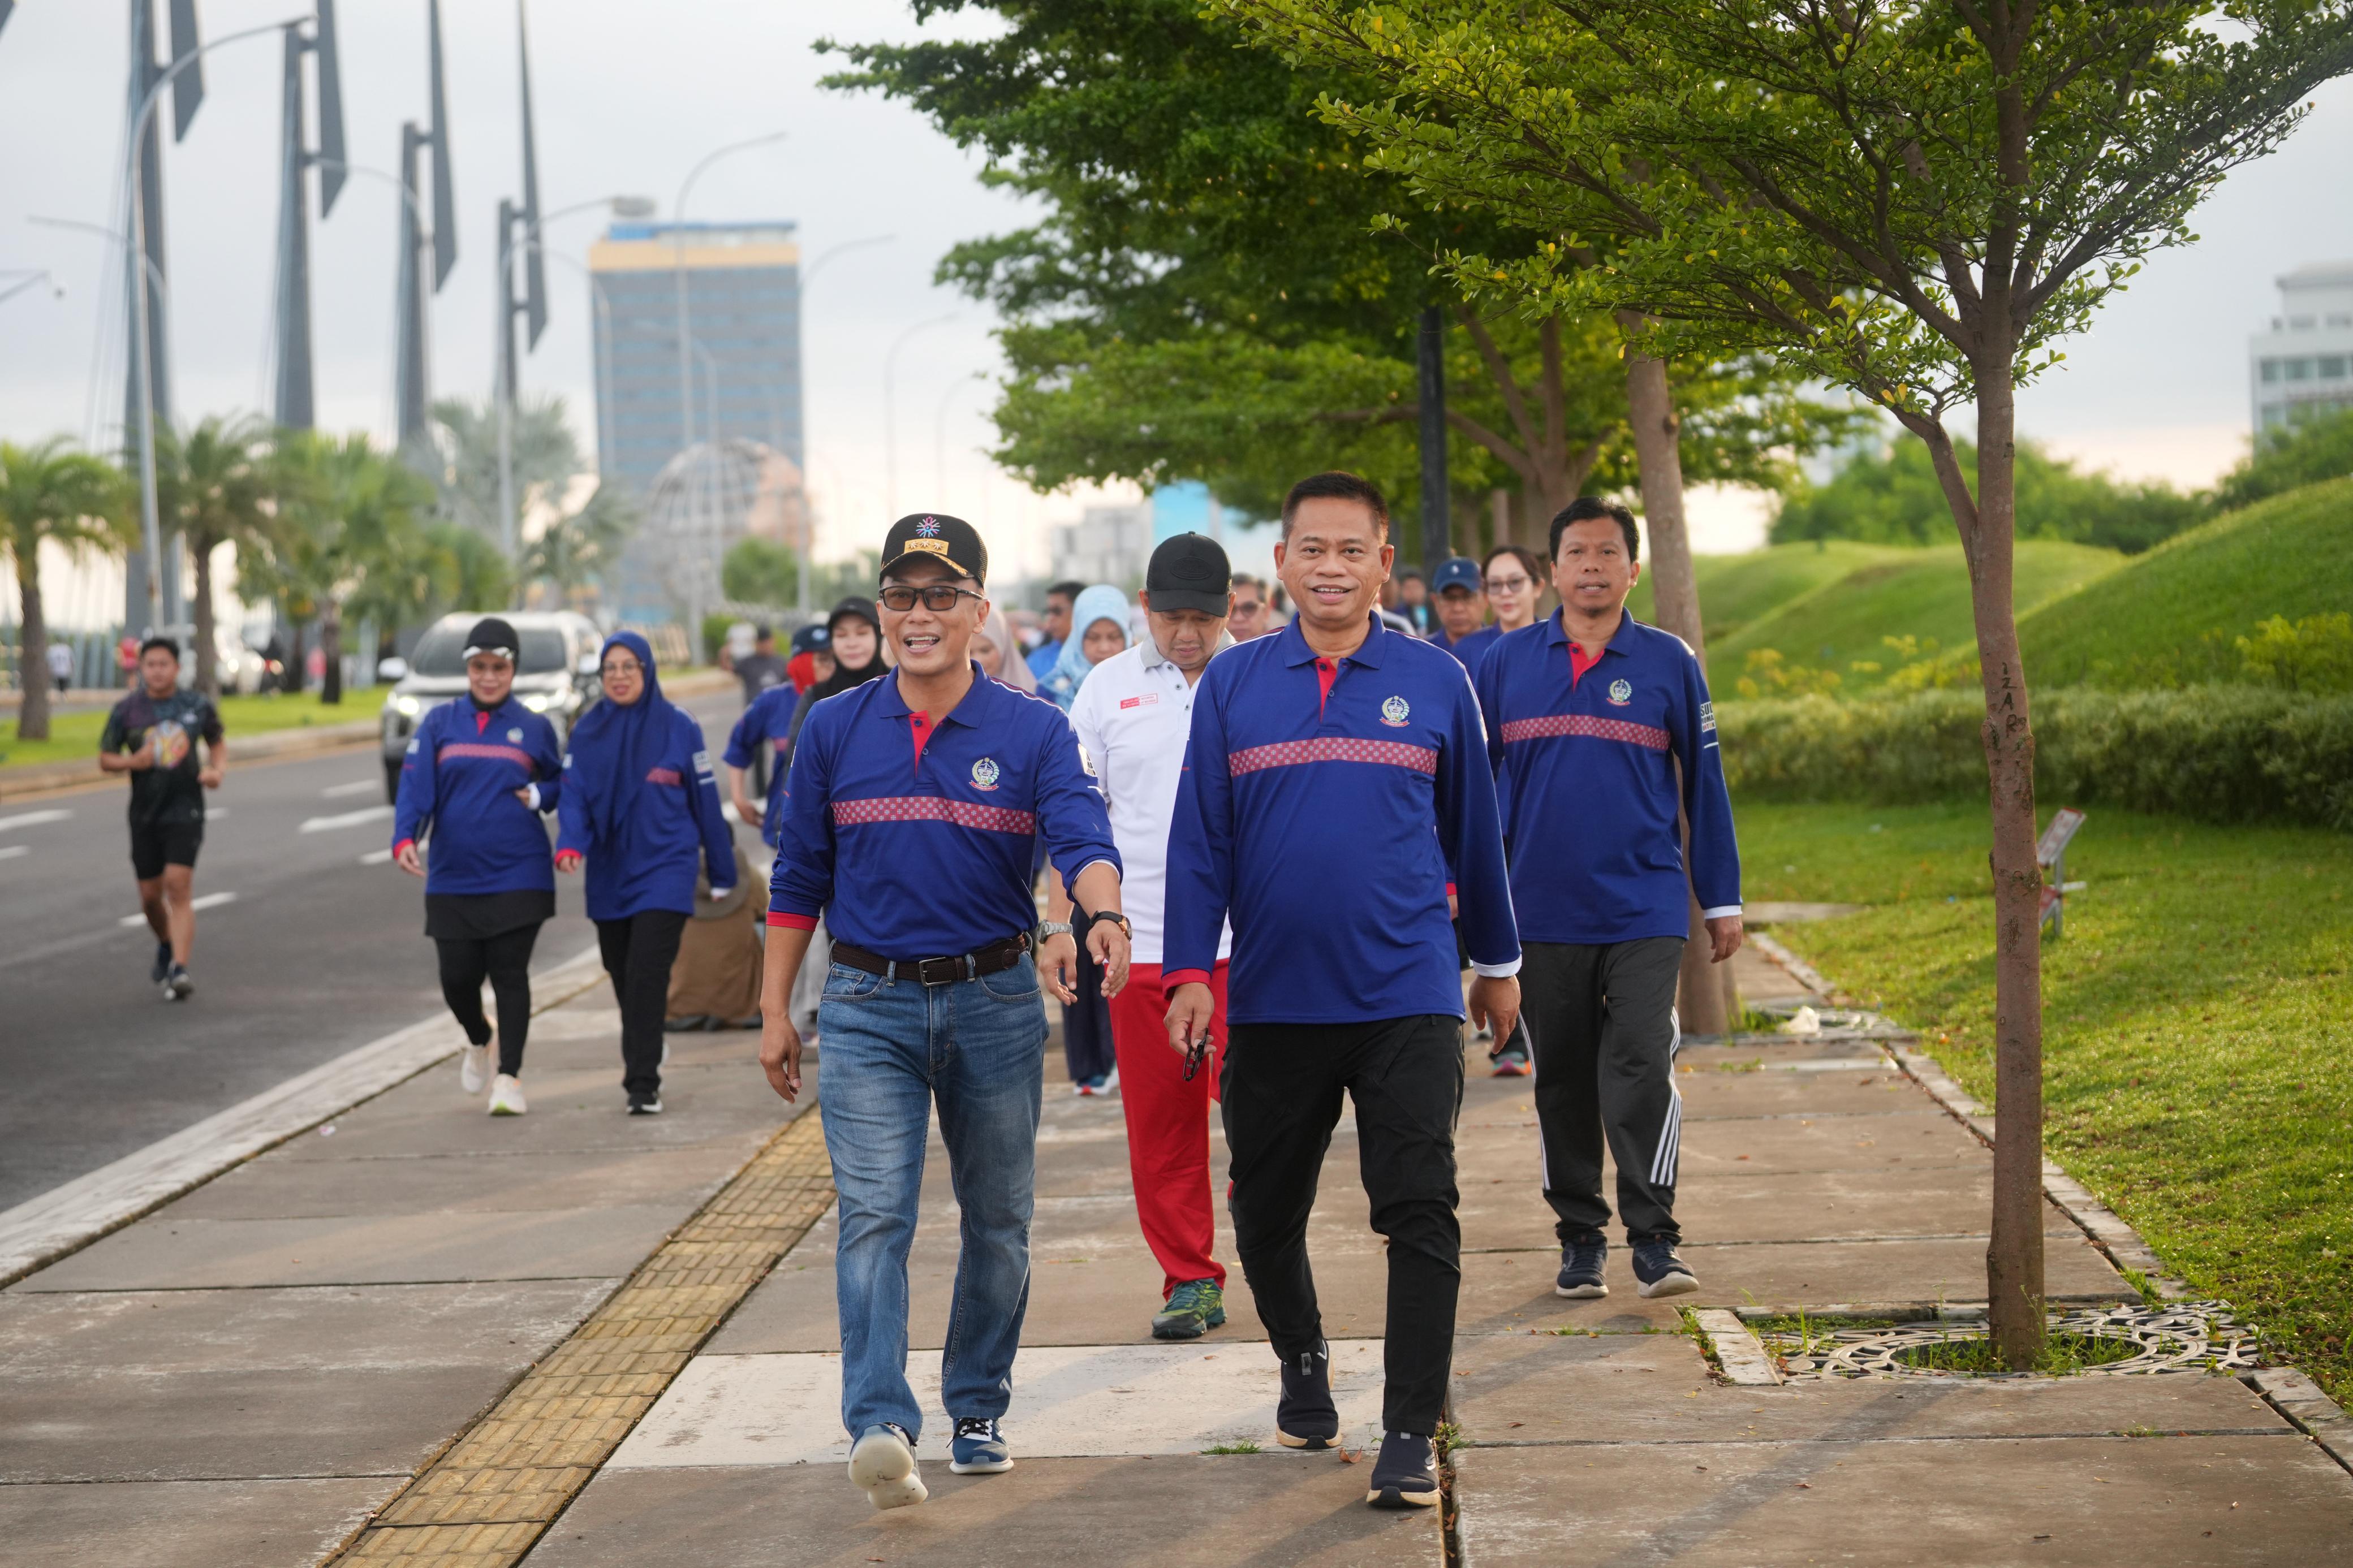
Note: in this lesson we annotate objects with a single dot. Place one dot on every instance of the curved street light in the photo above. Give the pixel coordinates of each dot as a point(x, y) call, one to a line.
point(678, 261)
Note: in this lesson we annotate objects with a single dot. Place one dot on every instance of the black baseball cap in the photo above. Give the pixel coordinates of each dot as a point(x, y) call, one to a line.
point(493, 634)
point(1190, 571)
point(940, 537)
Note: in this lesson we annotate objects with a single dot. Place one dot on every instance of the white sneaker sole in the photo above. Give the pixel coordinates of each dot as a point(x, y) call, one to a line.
point(1401, 1498)
point(884, 1467)
point(905, 1492)
point(506, 1097)
point(1582, 1292)
point(979, 1468)
point(1676, 1284)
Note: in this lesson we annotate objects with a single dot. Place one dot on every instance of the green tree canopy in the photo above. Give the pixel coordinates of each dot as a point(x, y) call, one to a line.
point(1893, 496)
point(2304, 453)
point(48, 491)
point(212, 484)
point(760, 572)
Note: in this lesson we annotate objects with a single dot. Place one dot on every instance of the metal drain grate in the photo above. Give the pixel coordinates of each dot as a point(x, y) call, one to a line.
point(2189, 1336)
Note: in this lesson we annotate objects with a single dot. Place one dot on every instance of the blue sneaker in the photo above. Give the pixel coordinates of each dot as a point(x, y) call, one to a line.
point(1582, 1262)
point(1661, 1272)
point(978, 1448)
point(1194, 1309)
point(1406, 1475)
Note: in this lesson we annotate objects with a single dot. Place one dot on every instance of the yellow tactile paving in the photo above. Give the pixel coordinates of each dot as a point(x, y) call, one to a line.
point(486, 1501)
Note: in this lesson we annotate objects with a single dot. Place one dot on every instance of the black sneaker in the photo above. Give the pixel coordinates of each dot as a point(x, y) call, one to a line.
point(1406, 1475)
point(645, 1105)
point(163, 963)
point(1581, 1263)
point(1306, 1416)
point(177, 984)
point(1663, 1273)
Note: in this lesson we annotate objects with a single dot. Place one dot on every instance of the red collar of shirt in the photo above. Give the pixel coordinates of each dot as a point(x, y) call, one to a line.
point(1578, 662)
point(1327, 670)
point(920, 723)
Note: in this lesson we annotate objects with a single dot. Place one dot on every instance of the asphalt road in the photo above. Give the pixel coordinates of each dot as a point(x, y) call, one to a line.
point(305, 949)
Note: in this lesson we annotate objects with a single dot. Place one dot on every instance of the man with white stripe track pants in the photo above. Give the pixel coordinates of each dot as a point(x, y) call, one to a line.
point(1604, 744)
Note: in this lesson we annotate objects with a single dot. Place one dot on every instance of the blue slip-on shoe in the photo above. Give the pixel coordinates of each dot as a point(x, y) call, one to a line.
point(1193, 1309)
point(1306, 1416)
point(978, 1448)
point(882, 1465)
point(1661, 1272)
point(1406, 1475)
point(1582, 1262)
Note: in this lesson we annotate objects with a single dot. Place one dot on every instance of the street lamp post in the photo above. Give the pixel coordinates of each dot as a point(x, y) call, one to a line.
point(940, 431)
point(890, 409)
point(678, 259)
point(31, 275)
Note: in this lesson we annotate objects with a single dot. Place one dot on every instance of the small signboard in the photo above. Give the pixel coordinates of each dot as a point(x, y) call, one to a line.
point(2054, 842)
point(2050, 899)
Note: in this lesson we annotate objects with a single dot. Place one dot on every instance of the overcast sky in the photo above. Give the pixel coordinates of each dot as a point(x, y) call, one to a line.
point(630, 94)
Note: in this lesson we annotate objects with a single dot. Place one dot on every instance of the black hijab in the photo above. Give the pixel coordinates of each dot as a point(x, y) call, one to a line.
point(843, 677)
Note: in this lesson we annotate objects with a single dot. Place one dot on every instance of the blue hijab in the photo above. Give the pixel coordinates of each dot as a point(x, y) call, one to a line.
point(1101, 603)
point(613, 747)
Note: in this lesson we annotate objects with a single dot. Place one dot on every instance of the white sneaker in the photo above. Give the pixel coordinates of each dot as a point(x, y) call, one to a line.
point(1110, 1082)
point(882, 1465)
point(473, 1068)
point(506, 1096)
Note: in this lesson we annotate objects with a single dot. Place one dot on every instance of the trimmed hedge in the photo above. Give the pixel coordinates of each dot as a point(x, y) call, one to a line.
point(2219, 753)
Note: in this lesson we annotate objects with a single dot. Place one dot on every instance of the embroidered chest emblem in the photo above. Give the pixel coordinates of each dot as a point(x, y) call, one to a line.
point(929, 528)
point(1394, 712)
point(1621, 693)
point(515, 735)
point(984, 773)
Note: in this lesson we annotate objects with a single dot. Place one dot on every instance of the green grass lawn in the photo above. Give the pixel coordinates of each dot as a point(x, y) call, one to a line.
point(75, 735)
point(1921, 592)
point(1735, 590)
point(2198, 1025)
point(2167, 618)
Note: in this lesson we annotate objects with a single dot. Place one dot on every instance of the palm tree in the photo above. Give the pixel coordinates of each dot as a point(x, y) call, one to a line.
point(49, 493)
point(575, 552)
point(212, 484)
point(345, 515)
point(466, 436)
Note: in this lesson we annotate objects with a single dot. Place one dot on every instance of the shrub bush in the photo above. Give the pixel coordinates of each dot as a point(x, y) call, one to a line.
point(2219, 753)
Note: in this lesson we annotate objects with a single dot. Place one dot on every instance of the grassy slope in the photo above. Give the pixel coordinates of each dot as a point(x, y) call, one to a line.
point(1735, 590)
point(2147, 624)
point(1923, 593)
point(75, 735)
point(2199, 1075)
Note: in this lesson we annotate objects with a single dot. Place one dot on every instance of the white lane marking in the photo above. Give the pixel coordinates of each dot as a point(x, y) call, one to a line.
point(347, 819)
point(215, 813)
point(14, 850)
point(336, 792)
point(209, 901)
point(32, 819)
point(377, 857)
point(41, 1229)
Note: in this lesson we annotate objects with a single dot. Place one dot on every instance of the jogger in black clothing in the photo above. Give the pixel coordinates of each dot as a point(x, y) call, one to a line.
point(1281, 1098)
point(638, 951)
point(504, 959)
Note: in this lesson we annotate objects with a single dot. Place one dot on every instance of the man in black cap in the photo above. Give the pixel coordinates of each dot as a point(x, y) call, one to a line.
point(1134, 716)
point(911, 818)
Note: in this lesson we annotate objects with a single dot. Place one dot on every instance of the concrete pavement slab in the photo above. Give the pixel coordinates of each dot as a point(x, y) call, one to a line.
point(187, 1524)
point(1500, 1150)
point(1764, 1207)
point(2083, 1502)
point(276, 1187)
point(1069, 1402)
point(1708, 1096)
point(1258, 1511)
point(589, 1116)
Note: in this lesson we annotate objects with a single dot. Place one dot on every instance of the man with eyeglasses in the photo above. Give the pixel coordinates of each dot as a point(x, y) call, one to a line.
point(1251, 618)
point(1461, 590)
point(912, 814)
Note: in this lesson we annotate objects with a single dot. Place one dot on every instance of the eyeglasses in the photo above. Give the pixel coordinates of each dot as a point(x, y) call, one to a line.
point(1249, 606)
point(621, 668)
point(937, 597)
point(1507, 585)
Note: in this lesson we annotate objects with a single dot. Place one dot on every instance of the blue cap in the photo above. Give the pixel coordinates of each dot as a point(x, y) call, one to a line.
point(1457, 572)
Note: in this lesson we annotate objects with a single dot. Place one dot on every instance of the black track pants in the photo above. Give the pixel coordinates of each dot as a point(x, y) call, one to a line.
point(504, 961)
point(1280, 1096)
point(1604, 1021)
point(638, 953)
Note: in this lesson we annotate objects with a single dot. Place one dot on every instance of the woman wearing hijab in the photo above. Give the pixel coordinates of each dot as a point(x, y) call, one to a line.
point(1098, 630)
point(999, 656)
point(639, 806)
point(478, 774)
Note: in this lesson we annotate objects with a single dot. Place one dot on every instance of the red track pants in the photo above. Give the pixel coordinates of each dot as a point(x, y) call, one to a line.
point(1168, 1126)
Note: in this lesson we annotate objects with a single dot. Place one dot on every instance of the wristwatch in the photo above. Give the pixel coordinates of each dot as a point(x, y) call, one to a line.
point(1115, 916)
point(1051, 928)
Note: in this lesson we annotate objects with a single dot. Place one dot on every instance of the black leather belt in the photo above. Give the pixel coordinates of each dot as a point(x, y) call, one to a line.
point(989, 960)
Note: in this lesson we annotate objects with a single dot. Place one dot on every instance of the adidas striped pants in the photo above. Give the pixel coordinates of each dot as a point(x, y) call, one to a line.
point(1603, 1019)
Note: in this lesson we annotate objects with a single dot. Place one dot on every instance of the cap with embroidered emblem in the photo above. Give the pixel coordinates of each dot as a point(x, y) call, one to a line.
point(938, 537)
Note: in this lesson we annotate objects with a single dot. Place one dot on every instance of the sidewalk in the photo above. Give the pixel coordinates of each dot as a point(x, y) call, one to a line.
point(248, 1374)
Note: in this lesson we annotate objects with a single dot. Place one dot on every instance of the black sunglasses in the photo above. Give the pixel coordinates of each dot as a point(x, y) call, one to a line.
point(937, 597)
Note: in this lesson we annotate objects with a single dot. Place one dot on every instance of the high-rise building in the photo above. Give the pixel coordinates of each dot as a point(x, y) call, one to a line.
point(2303, 365)
point(743, 378)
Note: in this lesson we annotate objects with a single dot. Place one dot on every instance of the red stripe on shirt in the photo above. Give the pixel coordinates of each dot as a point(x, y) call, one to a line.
point(1332, 748)
point(792, 923)
point(1646, 736)
point(932, 808)
point(489, 750)
point(664, 776)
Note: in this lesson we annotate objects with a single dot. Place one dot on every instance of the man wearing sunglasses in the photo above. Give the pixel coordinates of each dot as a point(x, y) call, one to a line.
point(911, 817)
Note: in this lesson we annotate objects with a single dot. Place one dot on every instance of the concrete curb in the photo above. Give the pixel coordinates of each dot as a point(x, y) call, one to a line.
point(2313, 1413)
point(1804, 973)
point(1742, 1354)
point(65, 1220)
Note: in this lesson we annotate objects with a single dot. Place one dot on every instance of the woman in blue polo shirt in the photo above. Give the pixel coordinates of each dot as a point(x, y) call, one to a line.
point(478, 775)
point(639, 805)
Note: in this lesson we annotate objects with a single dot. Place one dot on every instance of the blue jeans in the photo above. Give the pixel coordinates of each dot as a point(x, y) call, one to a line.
point(888, 1048)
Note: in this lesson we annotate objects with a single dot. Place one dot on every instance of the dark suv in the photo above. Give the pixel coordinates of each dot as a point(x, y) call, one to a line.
point(555, 676)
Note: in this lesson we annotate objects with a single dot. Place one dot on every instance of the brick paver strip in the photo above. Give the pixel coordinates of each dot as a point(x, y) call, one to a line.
point(486, 1501)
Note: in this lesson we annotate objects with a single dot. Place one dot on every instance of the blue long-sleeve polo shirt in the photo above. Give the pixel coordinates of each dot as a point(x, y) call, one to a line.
point(651, 864)
point(767, 721)
point(1325, 806)
point(917, 840)
point(457, 781)
point(1472, 647)
point(1588, 764)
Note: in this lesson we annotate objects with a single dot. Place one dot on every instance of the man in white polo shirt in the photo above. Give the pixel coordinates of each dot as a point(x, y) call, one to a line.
point(1133, 716)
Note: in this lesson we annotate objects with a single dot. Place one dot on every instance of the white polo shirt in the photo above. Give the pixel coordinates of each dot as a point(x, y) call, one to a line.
point(1133, 715)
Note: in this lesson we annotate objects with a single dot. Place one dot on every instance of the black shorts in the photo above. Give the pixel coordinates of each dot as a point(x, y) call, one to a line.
point(155, 844)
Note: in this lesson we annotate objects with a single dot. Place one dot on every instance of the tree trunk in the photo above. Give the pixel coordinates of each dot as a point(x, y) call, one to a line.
point(208, 672)
point(298, 663)
point(331, 646)
point(33, 653)
point(2014, 1287)
point(1706, 1003)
